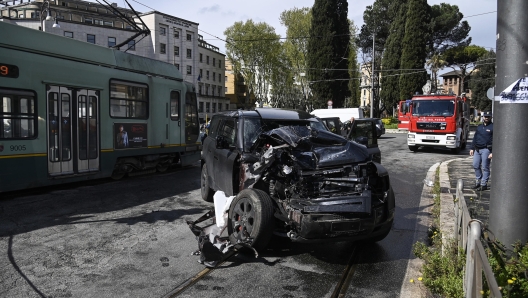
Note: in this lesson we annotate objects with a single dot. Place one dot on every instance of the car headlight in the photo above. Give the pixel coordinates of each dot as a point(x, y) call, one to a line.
point(410, 136)
point(451, 138)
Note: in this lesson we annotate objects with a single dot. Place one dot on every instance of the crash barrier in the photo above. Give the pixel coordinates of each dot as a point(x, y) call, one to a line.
point(468, 234)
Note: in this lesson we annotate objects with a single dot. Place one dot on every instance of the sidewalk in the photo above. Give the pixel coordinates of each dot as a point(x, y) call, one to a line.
point(476, 201)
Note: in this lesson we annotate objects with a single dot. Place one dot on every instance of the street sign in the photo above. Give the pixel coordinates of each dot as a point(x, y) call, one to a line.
point(490, 93)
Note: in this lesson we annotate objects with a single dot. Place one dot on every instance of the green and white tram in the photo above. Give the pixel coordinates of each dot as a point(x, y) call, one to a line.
point(73, 111)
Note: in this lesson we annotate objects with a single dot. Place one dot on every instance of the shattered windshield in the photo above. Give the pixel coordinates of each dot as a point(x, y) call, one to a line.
point(254, 127)
point(433, 107)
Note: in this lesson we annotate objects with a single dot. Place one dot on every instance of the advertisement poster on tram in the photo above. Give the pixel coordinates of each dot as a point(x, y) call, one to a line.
point(130, 135)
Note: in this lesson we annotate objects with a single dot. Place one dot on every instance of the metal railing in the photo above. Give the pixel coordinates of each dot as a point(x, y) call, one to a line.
point(468, 234)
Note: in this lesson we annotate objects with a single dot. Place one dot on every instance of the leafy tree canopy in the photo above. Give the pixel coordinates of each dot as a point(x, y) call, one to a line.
point(448, 29)
point(253, 48)
point(482, 79)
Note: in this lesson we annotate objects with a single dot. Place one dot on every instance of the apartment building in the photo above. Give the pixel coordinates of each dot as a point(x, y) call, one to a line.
point(173, 40)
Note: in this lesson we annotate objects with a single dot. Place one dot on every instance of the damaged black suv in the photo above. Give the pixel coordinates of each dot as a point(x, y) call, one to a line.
point(293, 178)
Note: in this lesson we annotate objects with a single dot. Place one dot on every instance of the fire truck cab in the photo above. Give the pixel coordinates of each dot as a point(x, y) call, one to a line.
point(440, 121)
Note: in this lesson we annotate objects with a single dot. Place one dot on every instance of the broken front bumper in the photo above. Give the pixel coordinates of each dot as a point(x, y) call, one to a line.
point(341, 219)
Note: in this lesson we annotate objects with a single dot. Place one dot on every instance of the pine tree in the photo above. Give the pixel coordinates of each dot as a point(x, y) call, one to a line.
point(328, 53)
point(390, 63)
point(414, 50)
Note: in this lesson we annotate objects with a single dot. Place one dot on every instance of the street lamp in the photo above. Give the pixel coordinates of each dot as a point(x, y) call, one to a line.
point(47, 9)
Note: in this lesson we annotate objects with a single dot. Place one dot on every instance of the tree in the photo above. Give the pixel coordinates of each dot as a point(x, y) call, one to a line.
point(253, 48)
point(377, 19)
point(390, 63)
point(414, 49)
point(435, 64)
point(328, 50)
point(353, 70)
point(482, 79)
point(447, 29)
point(297, 22)
point(462, 59)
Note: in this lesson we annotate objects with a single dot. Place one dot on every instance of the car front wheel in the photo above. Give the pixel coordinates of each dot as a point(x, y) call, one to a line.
point(206, 191)
point(251, 216)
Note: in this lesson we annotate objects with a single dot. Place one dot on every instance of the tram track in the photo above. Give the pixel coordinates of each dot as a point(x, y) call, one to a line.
point(339, 291)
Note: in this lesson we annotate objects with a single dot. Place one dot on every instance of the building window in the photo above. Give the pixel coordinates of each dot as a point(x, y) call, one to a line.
point(213, 91)
point(219, 64)
point(111, 41)
point(219, 107)
point(18, 115)
point(128, 100)
point(207, 59)
point(132, 45)
point(201, 57)
point(163, 48)
point(225, 79)
point(207, 75)
point(90, 38)
point(207, 90)
point(201, 73)
point(214, 61)
point(108, 23)
point(68, 34)
point(189, 53)
point(177, 65)
point(176, 34)
point(177, 51)
point(200, 107)
point(219, 77)
point(189, 69)
point(227, 106)
point(219, 90)
point(226, 90)
point(88, 21)
point(98, 22)
point(200, 89)
point(207, 105)
point(214, 76)
point(214, 107)
point(163, 31)
point(189, 37)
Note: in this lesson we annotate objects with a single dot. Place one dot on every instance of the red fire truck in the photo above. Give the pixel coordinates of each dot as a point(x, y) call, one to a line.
point(403, 115)
point(440, 121)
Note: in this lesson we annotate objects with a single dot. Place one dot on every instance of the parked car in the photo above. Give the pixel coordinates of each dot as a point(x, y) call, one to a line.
point(292, 177)
point(380, 127)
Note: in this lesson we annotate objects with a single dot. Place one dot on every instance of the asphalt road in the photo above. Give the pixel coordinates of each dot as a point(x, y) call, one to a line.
point(129, 238)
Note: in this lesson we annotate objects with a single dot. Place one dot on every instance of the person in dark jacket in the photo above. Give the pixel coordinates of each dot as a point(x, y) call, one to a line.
point(481, 151)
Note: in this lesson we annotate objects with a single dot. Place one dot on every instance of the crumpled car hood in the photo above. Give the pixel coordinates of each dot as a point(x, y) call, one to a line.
point(316, 149)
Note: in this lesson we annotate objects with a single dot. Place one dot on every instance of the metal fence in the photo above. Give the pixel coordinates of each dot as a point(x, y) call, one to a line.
point(468, 234)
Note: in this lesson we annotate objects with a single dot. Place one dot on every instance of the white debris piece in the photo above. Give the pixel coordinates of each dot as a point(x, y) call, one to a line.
point(222, 204)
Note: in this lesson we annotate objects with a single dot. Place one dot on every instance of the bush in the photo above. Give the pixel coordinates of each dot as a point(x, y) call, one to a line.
point(388, 121)
point(511, 273)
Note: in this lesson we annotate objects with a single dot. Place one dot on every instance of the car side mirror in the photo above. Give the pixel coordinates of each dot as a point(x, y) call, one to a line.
point(362, 140)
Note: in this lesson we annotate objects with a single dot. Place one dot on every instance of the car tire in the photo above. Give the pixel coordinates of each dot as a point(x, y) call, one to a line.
point(413, 148)
point(206, 191)
point(251, 216)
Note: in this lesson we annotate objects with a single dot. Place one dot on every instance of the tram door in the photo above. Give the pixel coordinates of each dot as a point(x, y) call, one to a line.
point(73, 128)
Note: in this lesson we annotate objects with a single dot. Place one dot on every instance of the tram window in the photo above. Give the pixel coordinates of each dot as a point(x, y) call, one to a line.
point(132, 45)
point(175, 105)
point(128, 100)
point(111, 41)
point(18, 115)
point(90, 38)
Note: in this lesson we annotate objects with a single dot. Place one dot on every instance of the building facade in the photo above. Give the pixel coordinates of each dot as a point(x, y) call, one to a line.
point(173, 40)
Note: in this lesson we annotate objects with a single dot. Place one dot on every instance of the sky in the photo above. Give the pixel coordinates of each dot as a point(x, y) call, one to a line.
point(214, 16)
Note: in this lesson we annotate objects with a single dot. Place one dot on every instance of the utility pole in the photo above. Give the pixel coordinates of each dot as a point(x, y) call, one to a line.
point(372, 76)
point(508, 222)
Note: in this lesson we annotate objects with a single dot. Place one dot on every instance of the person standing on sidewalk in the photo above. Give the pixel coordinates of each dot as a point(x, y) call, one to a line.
point(481, 151)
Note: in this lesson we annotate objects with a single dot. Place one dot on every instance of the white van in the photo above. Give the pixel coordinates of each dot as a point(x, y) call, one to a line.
point(344, 114)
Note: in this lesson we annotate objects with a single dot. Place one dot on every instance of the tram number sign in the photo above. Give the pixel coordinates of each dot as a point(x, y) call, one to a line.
point(8, 71)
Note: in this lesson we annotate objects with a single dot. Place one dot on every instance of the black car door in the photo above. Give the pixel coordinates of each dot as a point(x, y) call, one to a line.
point(225, 155)
point(364, 132)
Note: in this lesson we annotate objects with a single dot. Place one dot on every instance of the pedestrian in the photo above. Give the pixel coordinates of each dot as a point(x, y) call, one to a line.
point(481, 151)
